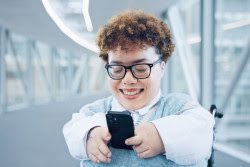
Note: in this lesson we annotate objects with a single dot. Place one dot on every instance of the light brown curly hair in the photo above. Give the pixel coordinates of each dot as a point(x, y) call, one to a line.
point(137, 28)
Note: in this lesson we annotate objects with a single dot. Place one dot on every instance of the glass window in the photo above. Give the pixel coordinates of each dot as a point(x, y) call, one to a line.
point(232, 29)
point(188, 19)
point(16, 69)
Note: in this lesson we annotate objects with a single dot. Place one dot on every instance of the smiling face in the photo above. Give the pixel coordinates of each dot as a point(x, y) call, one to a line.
point(134, 93)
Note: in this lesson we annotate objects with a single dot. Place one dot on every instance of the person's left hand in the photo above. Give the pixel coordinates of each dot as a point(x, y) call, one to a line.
point(147, 141)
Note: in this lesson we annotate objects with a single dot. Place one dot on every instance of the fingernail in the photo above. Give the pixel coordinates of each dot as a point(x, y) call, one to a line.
point(126, 142)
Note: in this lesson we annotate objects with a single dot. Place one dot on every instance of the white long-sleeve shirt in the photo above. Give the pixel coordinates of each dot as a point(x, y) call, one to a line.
point(187, 136)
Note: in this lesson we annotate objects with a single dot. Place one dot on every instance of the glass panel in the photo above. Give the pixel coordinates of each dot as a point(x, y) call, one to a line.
point(190, 21)
point(232, 17)
point(77, 63)
point(178, 82)
point(96, 71)
point(15, 87)
point(41, 73)
point(232, 27)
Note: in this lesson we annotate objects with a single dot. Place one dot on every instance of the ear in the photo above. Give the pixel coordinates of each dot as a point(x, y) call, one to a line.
point(162, 66)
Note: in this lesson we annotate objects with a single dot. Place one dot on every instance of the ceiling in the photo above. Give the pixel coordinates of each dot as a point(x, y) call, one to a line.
point(101, 10)
point(29, 18)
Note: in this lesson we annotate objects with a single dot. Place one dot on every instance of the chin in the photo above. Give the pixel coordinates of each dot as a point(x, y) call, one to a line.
point(134, 102)
point(132, 106)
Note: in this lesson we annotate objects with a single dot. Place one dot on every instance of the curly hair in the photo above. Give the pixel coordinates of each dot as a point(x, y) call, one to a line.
point(137, 28)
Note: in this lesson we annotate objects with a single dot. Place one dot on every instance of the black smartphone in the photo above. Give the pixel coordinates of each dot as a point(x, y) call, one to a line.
point(121, 127)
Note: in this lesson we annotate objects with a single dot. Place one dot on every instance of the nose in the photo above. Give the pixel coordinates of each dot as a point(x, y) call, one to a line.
point(129, 78)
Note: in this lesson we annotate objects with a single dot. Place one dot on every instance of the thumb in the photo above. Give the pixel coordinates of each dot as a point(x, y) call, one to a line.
point(136, 140)
point(106, 135)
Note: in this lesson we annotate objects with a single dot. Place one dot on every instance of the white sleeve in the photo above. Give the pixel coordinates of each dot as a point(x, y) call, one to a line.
point(76, 130)
point(187, 137)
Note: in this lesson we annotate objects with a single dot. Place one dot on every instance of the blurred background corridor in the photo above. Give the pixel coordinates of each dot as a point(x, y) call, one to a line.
point(49, 68)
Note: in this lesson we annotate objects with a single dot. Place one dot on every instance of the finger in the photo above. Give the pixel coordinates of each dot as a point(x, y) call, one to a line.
point(136, 140)
point(93, 158)
point(107, 137)
point(137, 129)
point(100, 156)
point(145, 154)
point(105, 150)
point(109, 160)
point(140, 148)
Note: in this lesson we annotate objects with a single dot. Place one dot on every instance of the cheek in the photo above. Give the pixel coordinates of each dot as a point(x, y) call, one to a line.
point(147, 84)
point(154, 81)
point(113, 84)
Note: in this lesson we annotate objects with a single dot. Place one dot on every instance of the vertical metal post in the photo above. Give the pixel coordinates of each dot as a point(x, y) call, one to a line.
point(2, 70)
point(207, 52)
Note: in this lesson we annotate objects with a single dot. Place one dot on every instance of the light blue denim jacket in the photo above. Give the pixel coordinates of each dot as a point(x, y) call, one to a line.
point(167, 105)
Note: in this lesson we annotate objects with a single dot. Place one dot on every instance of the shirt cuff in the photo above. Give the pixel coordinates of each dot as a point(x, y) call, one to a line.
point(98, 119)
point(77, 138)
point(187, 138)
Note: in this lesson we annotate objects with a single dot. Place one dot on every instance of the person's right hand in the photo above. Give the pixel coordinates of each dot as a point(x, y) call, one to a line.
point(97, 149)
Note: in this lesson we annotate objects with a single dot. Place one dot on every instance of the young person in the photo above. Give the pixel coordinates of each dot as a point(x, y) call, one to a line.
point(171, 130)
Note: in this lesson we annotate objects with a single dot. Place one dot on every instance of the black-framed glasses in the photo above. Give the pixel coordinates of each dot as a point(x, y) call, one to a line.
point(139, 71)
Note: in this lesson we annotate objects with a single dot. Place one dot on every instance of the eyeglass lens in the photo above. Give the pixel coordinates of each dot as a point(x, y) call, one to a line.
point(139, 71)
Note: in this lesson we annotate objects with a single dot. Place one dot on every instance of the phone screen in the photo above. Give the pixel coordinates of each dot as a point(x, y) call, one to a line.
point(121, 127)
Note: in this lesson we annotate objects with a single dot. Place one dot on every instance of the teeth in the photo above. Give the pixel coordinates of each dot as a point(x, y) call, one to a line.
point(131, 93)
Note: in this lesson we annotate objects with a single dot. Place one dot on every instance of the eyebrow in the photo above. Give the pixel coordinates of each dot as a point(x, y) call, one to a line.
point(133, 62)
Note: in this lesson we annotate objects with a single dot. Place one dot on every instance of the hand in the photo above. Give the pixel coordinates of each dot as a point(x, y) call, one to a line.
point(147, 141)
point(97, 149)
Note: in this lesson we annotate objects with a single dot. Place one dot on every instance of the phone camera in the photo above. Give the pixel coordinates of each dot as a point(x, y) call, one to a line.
point(109, 116)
